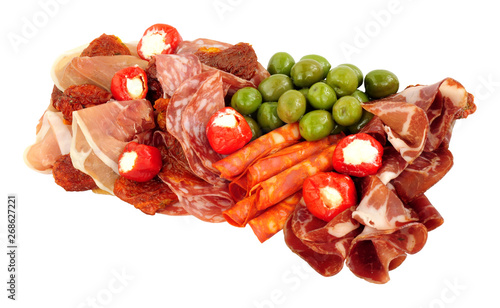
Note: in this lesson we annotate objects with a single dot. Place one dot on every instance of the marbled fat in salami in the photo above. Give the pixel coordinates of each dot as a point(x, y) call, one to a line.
point(172, 70)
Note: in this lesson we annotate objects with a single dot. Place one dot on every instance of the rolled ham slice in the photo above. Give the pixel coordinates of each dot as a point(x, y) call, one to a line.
point(53, 139)
point(100, 134)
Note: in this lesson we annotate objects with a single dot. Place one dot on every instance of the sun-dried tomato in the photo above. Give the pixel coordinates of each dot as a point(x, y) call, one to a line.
point(149, 197)
point(160, 106)
point(79, 97)
point(70, 178)
point(240, 59)
point(105, 45)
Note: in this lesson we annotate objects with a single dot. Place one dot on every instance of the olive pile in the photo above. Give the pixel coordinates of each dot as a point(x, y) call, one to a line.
point(324, 100)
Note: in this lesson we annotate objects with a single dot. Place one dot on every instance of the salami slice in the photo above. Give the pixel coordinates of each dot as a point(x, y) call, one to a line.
point(172, 70)
point(235, 164)
point(187, 113)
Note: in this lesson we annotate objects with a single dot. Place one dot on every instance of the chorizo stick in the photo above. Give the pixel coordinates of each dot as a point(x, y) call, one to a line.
point(273, 164)
point(233, 165)
point(278, 187)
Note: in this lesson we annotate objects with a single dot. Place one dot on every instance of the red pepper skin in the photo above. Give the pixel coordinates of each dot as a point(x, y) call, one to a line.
point(317, 199)
point(145, 165)
point(119, 87)
point(228, 139)
point(342, 164)
point(170, 39)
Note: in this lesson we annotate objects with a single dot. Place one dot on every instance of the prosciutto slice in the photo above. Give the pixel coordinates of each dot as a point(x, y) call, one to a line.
point(374, 252)
point(323, 245)
point(98, 70)
point(53, 139)
point(100, 133)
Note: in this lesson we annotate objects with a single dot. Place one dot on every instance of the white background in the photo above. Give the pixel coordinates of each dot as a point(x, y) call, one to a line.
point(86, 250)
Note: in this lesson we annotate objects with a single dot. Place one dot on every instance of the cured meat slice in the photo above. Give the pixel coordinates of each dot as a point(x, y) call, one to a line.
point(374, 252)
point(422, 174)
point(392, 165)
point(97, 70)
point(197, 197)
point(187, 114)
point(273, 164)
point(380, 207)
point(428, 214)
point(232, 82)
point(279, 187)
point(172, 70)
point(323, 245)
point(406, 125)
point(101, 132)
point(53, 139)
point(273, 219)
point(235, 164)
point(375, 128)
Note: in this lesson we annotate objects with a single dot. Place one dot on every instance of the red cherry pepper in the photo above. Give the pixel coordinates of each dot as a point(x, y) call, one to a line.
point(139, 162)
point(158, 39)
point(129, 83)
point(228, 131)
point(328, 194)
point(358, 155)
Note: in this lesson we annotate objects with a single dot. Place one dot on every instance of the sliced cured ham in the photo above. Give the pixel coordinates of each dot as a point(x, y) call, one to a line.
point(323, 245)
point(172, 70)
point(380, 207)
point(406, 125)
point(374, 252)
point(427, 213)
point(100, 134)
point(53, 139)
point(235, 164)
point(97, 70)
point(426, 170)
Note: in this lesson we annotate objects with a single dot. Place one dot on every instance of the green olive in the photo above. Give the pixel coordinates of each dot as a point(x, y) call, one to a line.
point(306, 72)
point(316, 125)
point(322, 60)
point(381, 83)
point(361, 96)
point(365, 118)
point(358, 72)
point(267, 117)
point(254, 127)
point(246, 100)
point(273, 86)
point(291, 106)
point(347, 110)
point(343, 80)
point(280, 63)
point(321, 96)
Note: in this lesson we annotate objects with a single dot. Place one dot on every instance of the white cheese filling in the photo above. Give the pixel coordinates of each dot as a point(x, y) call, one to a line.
point(153, 44)
point(127, 161)
point(225, 120)
point(359, 151)
point(135, 87)
point(330, 197)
